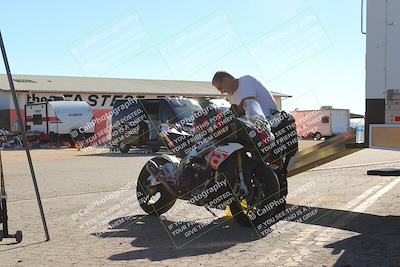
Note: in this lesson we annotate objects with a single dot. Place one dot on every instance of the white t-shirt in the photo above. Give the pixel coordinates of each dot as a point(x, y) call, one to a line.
point(251, 87)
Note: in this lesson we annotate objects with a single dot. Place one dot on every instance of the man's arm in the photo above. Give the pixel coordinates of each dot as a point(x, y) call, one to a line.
point(253, 110)
point(248, 89)
point(244, 99)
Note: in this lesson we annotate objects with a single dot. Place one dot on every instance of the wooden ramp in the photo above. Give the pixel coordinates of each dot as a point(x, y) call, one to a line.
point(332, 149)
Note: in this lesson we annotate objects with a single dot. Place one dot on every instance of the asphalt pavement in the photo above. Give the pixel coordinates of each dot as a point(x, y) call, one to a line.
point(344, 217)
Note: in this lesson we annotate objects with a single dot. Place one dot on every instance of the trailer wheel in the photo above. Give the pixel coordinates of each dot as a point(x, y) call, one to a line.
point(124, 148)
point(318, 135)
point(72, 144)
point(155, 149)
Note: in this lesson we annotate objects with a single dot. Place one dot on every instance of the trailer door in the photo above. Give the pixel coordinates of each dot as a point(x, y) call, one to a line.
point(393, 45)
point(36, 118)
point(340, 121)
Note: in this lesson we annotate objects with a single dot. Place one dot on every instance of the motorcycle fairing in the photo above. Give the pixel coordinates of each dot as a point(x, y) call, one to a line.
point(171, 158)
point(219, 154)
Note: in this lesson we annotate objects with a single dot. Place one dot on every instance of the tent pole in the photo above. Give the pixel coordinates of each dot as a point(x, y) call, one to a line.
point(24, 138)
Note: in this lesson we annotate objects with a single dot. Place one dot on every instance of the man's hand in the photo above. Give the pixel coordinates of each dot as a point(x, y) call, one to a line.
point(244, 99)
point(237, 110)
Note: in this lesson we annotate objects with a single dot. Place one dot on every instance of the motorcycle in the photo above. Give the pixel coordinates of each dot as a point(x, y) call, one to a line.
point(223, 154)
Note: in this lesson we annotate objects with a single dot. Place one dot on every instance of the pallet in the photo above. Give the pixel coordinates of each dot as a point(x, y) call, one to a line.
point(332, 149)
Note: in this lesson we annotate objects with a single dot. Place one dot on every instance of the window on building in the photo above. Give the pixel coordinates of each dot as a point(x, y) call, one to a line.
point(152, 108)
point(37, 119)
point(325, 119)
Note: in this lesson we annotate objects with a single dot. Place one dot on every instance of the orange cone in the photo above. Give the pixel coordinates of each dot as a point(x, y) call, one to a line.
point(78, 147)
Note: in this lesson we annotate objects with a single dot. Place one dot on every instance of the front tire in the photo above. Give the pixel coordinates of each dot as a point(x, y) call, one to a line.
point(261, 204)
point(145, 195)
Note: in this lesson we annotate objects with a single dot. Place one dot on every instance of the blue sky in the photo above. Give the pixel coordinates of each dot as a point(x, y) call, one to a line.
point(311, 49)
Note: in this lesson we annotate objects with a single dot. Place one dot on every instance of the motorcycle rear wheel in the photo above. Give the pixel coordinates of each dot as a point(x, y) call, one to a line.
point(165, 201)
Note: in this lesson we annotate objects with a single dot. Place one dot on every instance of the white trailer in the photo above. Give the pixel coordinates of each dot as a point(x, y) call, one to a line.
point(56, 120)
point(382, 115)
point(325, 122)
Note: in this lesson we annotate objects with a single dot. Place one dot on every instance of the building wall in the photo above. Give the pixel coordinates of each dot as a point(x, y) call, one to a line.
point(96, 101)
point(4, 111)
point(101, 104)
point(278, 101)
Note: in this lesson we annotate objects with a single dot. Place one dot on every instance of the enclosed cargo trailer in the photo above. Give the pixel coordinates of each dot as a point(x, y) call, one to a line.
point(382, 116)
point(60, 120)
point(325, 122)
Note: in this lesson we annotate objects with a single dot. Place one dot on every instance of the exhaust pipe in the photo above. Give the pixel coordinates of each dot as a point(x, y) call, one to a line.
point(155, 171)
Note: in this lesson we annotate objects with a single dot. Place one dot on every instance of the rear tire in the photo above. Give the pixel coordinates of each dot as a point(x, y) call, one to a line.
point(124, 148)
point(166, 200)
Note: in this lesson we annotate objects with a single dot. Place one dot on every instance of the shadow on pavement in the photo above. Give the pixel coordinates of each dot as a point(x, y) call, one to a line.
point(150, 235)
point(15, 245)
point(376, 244)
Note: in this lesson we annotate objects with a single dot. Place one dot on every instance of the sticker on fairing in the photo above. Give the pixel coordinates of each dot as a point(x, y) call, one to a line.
point(218, 155)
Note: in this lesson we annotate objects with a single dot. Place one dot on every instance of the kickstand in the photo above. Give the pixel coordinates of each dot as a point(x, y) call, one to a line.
point(210, 211)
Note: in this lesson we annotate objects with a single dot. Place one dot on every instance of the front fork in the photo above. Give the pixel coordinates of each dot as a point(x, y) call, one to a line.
point(239, 162)
point(242, 185)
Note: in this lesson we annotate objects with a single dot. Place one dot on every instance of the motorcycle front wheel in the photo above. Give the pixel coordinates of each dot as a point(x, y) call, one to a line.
point(261, 204)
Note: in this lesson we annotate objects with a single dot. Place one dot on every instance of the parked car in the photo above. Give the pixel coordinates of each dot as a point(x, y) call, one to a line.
point(139, 125)
point(219, 102)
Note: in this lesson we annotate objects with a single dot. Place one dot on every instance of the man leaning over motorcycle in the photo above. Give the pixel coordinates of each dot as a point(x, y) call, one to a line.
point(257, 101)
